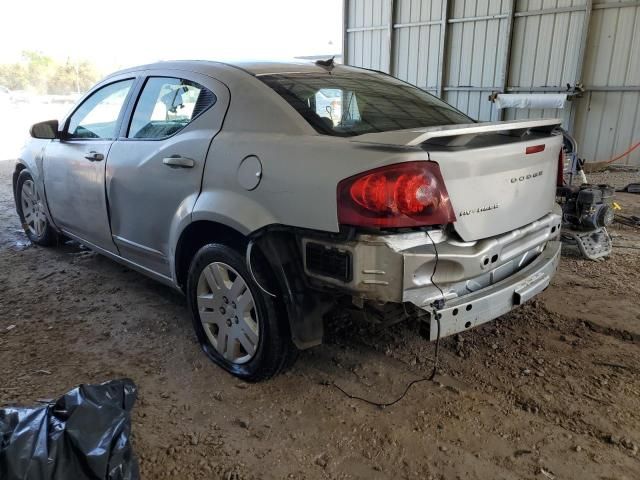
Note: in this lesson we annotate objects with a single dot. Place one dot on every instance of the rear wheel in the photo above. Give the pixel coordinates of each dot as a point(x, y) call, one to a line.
point(239, 326)
point(30, 206)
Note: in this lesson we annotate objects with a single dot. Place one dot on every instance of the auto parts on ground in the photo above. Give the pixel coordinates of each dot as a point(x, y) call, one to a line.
point(586, 209)
point(85, 434)
point(629, 220)
point(592, 244)
point(631, 188)
point(586, 212)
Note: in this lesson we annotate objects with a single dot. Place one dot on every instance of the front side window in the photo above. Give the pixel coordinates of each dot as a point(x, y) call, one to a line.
point(167, 105)
point(346, 103)
point(97, 117)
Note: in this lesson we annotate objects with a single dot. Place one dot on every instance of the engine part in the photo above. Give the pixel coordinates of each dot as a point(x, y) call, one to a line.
point(586, 212)
point(587, 207)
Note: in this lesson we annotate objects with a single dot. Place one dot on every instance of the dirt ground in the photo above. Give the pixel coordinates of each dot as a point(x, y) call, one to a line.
point(551, 390)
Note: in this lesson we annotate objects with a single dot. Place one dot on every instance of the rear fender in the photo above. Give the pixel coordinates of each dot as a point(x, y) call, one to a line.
point(232, 209)
point(305, 307)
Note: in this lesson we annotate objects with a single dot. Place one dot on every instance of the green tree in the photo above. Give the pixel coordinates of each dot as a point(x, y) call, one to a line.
point(72, 77)
point(14, 76)
point(42, 74)
point(39, 69)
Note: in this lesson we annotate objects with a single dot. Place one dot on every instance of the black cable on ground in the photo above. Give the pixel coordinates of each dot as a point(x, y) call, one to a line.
point(435, 306)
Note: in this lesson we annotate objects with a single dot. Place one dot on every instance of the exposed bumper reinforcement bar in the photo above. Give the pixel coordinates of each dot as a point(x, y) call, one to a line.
point(484, 305)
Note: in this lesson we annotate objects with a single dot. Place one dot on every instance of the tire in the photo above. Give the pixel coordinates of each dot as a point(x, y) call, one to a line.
point(239, 326)
point(31, 210)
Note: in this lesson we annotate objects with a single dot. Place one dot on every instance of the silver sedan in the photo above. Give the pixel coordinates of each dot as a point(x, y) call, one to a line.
point(268, 192)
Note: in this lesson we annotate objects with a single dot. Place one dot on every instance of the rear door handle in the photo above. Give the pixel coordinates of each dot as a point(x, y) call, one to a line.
point(176, 161)
point(94, 156)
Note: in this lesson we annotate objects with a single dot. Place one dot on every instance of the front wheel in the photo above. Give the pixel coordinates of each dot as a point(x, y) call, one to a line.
point(31, 210)
point(239, 326)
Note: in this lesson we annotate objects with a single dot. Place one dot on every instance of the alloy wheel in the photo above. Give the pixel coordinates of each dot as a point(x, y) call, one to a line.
point(33, 209)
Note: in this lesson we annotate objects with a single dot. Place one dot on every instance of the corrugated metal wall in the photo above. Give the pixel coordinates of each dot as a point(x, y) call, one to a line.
point(465, 50)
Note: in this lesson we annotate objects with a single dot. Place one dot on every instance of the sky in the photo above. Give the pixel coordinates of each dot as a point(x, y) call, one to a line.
point(119, 33)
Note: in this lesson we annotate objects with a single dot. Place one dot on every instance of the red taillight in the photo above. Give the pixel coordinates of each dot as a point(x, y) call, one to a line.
point(407, 194)
point(560, 174)
point(534, 149)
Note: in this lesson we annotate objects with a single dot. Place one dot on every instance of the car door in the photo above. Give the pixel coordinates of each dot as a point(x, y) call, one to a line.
point(74, 165)
point(154, 170)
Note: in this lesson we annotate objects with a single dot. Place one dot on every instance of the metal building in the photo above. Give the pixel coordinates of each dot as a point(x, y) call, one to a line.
point(463, 51)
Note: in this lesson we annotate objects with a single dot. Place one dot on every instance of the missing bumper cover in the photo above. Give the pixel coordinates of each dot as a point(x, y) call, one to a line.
point(328, 261)
point(486, 304)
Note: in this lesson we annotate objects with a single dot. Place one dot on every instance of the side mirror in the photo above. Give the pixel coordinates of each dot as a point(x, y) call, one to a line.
point(46, 130)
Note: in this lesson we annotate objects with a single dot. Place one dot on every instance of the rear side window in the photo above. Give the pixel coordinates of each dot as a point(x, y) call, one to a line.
point(349, 102)
point(166, 106)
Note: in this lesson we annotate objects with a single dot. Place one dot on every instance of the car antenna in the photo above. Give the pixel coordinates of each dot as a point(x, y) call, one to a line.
point(328, 64)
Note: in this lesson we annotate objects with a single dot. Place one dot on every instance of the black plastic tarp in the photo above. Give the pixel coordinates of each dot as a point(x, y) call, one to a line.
point(85, 434)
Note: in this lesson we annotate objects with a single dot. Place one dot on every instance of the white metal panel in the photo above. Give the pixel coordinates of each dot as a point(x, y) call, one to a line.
point(475, 55)
point(417, 42)
point(545, 49)
point(608, 122)
point(547, 38)
point(367, 37)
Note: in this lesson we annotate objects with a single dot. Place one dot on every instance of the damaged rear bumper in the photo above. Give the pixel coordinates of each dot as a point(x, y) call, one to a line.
point(480, 280)
point(489, 303)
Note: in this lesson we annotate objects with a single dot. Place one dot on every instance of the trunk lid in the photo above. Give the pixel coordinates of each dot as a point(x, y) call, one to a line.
point(495, 186)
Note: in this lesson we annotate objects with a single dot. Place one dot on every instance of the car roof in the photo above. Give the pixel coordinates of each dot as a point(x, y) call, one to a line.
point(252, 67)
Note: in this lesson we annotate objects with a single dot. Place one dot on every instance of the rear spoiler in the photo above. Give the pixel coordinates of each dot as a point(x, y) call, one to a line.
point(456, 135)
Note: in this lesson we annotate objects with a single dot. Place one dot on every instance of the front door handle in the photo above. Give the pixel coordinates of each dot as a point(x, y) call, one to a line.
point(176, 161)
point(94, 156)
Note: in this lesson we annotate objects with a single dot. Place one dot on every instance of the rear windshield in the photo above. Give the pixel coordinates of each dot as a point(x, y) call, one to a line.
point(346, 103)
